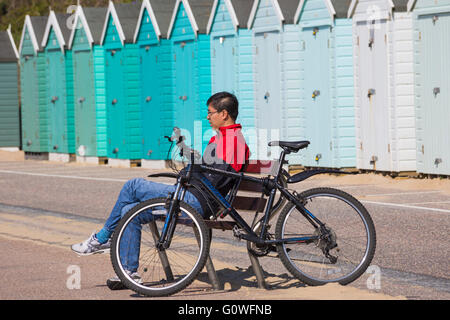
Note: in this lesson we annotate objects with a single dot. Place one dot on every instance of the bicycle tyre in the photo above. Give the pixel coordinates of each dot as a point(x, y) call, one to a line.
point(158, 283)
point(347, 218)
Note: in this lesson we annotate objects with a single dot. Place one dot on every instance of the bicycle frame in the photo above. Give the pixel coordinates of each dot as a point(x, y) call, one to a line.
point(270, 184)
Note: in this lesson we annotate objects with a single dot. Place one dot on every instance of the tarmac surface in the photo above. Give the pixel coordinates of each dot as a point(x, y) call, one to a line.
point(46, 207)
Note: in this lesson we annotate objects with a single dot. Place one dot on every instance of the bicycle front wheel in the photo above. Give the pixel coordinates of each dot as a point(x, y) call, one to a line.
point(152, 271)
point(343, 249)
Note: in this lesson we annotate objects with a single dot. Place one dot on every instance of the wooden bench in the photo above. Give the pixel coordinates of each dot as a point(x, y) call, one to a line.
point(244, 202)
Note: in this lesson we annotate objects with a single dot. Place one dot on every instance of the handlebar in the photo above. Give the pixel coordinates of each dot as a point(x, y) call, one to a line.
point(185, 151)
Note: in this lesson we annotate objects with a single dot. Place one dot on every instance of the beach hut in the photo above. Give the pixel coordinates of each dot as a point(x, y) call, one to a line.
point(59, 88)
point(33, 87)
point(232, 58)
point(156, 68)
point(276, 70)
point(9, 92)
point(122, 72)
point(327, 98)
point(192, 69)
point(89, 85)
point(431, 21)
point(384, 85)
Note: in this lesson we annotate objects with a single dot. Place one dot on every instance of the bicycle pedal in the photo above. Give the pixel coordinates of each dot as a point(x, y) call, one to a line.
point(237, 232)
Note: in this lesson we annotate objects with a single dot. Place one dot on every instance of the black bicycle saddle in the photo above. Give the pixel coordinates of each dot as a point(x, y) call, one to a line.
point(291, 146)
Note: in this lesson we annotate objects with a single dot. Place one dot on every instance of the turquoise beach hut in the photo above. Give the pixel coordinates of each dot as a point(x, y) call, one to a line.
point(89, 85)
point(59, 88)
point(33, 87)
point(327, 94)
point(156, 76)
point(9, 92)
point(192, 69)
point(431, 21)
point(232, 58)
point(122, 70)
point(276, 70)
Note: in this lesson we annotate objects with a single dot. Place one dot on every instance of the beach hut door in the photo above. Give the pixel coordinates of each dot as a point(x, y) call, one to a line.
point(267, 89)
point(317, 96)
point(185, 112)
point(434, 92)
point(375, 149)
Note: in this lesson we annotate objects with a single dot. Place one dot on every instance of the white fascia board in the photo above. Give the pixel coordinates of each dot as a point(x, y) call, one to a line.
point(52, 22)
point(411, 4)
point(251, 18)
point(13, 44)
point(29, 26)
point(211, 16)
point(278, 11)
point(112, 13)
point(351, 9)
point(331, 10)
point(146, 5)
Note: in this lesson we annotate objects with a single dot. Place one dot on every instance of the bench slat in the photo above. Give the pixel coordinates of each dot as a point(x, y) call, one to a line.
point(249, 203)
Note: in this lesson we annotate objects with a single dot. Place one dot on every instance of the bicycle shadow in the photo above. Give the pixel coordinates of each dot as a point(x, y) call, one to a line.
point(232, 280)
point(240, 278)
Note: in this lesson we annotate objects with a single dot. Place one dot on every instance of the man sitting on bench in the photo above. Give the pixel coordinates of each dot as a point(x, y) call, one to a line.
point(227, 150)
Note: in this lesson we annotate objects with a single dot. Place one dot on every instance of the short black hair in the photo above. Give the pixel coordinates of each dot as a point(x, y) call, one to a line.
point(225, 101)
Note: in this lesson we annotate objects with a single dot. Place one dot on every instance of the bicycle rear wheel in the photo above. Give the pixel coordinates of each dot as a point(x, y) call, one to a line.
point(343, 252)
point(160, 272)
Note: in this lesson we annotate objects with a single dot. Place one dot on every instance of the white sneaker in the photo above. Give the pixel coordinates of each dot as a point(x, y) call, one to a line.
point(115, 283)
point(91, 246)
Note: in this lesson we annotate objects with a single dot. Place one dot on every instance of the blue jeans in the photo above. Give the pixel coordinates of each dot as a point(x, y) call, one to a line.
point(133, 192)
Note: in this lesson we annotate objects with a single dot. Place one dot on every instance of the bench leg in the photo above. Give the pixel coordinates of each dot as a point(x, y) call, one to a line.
point(162, 254)
point(212, 275)
point(257, 269)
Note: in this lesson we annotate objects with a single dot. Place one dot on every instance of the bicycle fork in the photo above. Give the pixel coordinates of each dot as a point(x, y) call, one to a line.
point(171, 219)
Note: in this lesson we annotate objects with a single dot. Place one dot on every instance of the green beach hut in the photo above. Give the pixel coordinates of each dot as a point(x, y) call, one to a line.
point(59, 88)
point(89, 85)
point(33, 87)
point(9, 92)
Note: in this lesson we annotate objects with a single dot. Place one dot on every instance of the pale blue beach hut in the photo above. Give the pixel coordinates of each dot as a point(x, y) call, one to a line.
point(327, 84)
point(276, 75)
point(232, 58)
point(431, 36)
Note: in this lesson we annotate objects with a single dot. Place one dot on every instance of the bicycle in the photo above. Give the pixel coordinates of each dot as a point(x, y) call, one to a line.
point(322, 235)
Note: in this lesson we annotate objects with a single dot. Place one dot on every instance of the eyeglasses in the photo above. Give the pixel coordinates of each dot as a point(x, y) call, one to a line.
point(210, 113)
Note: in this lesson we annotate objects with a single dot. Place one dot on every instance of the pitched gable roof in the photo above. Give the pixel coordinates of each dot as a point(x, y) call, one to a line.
point(36, 29)
point(8, 50)
point(57, 23)
point(92, 20)
point(198, 12)
point(125, 16)
point(239, 11)
point(160, 12)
